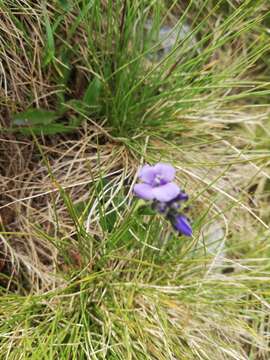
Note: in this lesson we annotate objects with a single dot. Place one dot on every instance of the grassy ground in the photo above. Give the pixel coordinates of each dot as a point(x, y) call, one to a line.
point(88, 93)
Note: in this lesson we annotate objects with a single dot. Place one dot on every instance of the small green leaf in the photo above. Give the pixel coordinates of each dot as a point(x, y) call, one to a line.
point(50, 47)
point(92, 92)
point(32, 117)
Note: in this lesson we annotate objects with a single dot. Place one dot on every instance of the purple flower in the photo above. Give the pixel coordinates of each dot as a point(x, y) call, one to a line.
point(157, 183)
point(181, 224)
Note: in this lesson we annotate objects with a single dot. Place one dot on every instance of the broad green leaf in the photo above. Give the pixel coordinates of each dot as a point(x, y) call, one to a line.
point(34, 117)
point(50, 47)
point(92, 93)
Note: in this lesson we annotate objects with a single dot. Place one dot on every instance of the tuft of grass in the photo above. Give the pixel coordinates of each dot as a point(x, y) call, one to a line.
point(95, 61)
point(139, 291)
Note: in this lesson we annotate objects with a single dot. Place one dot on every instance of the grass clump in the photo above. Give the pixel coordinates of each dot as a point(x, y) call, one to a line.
point(90, 90)
point(141, 292)
point(99, 61)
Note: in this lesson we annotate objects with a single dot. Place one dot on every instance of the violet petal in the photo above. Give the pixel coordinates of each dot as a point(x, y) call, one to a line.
point(147, 174)
point(144, 191)
point(182, 225)
point(166, 192)
point(181, 197)
point(166, 171)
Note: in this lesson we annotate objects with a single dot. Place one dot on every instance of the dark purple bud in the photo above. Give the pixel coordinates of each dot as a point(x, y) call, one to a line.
point(181, 224)
point(181, 197)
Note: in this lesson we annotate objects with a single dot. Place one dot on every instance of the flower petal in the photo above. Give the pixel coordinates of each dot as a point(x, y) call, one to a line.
point(166, 171)
point(182, 196)
point(147, 174)
point(182, 225)
point(144, 191)
point(166, 192)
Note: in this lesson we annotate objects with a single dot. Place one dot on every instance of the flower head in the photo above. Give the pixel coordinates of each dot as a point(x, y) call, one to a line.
point(157, 183)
